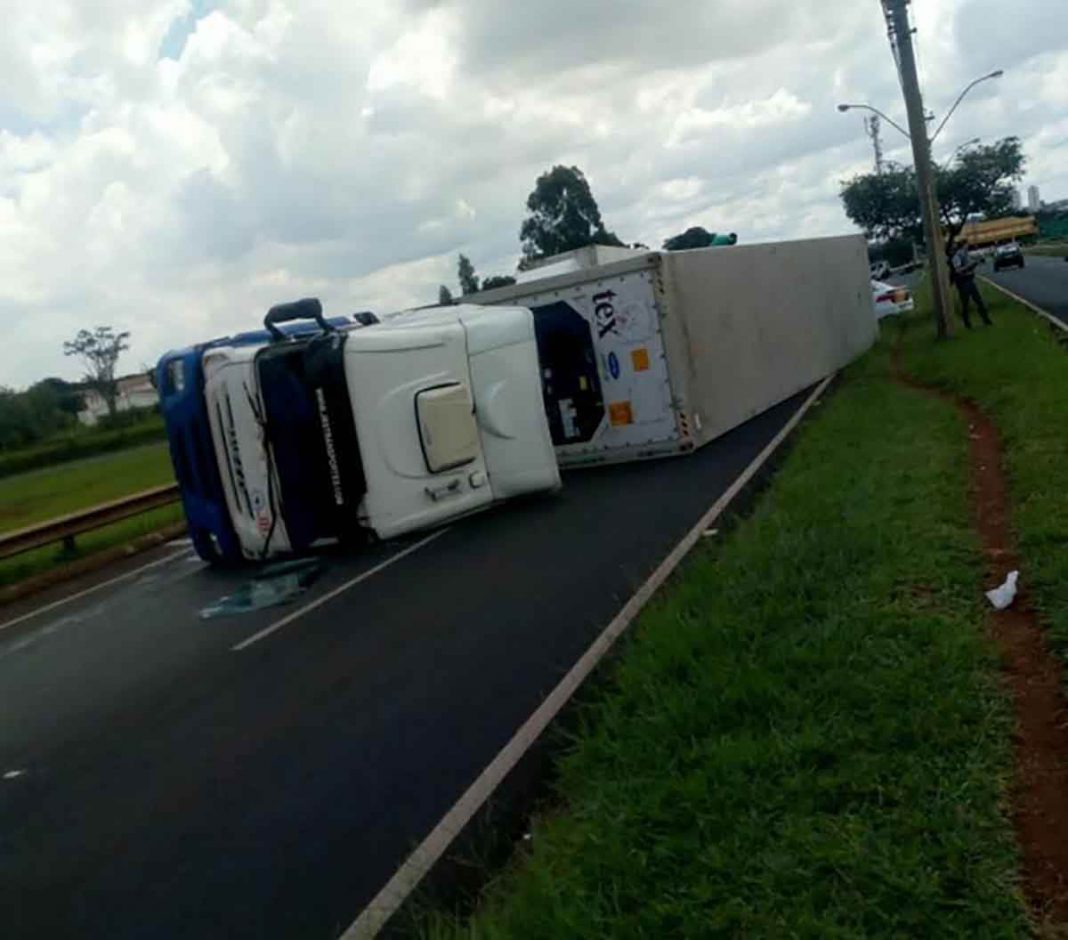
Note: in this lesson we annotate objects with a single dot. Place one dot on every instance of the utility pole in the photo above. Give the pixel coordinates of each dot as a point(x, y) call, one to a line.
point(871, 128)
point(901, 35)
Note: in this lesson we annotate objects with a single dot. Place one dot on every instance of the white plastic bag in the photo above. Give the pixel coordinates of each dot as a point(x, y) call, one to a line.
point(1004, 594)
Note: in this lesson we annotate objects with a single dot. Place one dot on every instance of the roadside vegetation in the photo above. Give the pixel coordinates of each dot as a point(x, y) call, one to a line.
point(806, 734)
point(1018, 373)
point(41, 495)
point(128, 429)
point(1055, 249)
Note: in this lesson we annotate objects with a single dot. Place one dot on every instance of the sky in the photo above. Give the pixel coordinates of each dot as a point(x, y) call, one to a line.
point(175, 167)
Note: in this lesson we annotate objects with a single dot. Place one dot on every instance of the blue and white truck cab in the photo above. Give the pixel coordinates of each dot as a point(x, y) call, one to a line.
point(287, 439)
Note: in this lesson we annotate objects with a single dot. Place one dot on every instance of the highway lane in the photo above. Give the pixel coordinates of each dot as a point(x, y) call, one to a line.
point(163, 784)
point(1044, 282)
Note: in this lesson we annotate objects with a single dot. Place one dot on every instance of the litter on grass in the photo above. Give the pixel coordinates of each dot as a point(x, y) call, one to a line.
point(273, 585)
point(1004, 594)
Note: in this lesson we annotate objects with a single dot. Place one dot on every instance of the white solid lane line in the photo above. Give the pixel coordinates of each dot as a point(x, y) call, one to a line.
point(91, 590)
point(407, 877)
point(340, 589)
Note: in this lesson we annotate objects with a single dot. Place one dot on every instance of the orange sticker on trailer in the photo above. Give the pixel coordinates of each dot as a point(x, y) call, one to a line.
point(639, 358)
point(620, 412)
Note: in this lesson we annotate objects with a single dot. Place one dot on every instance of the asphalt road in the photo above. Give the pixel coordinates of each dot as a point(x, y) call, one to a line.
point(162, 776)
point(1043, 281)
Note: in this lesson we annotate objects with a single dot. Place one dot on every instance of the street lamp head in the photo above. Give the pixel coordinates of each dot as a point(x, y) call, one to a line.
point(844, 107)
point(996, 74)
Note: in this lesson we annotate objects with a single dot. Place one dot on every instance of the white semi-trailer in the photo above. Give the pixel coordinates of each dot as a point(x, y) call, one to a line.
point(644, 354)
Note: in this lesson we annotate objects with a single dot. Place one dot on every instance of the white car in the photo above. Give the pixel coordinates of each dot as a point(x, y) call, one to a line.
point(878, 270)
point(888, 299)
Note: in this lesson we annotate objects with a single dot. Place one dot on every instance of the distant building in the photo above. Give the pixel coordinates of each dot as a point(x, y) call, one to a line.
point(1034, 203)
point(134, 391)
point(1017, 202)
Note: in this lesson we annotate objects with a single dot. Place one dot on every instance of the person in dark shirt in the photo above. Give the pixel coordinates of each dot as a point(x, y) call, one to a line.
point(963, 267)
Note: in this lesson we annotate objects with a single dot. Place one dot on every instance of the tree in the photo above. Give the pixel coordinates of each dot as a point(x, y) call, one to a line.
point(41, 411)
point(99, 352)
point(465, 272)
point(886, 205)
point(65, 395)
point(444, 296)
point(497, 280)
point(563, 215)
point(980, 183)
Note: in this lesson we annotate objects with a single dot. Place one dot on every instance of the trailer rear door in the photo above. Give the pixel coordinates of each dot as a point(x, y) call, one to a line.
point(604, 373)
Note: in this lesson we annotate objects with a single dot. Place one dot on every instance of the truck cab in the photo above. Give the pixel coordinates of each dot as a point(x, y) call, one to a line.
point(384, 429)
point(180, 381)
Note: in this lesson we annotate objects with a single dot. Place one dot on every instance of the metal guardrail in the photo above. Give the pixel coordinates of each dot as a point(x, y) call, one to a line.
point(65, 528)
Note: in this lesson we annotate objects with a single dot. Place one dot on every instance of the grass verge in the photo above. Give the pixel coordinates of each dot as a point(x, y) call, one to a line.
point(804, 736)
point(1051, 249)
point(41, 495)
point(1018, 374)
point(81, 443)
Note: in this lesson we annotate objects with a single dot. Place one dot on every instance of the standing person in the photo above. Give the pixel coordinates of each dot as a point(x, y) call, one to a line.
point(964, 277)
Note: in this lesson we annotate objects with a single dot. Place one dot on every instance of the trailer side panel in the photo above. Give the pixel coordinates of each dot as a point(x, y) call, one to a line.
point(748, 326)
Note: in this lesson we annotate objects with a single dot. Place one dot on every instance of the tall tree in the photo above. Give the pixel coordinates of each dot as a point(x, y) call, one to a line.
point(444, 296)
point(886, 205)
point(465, 272)
point(562, 215)
point(980, 182)
point(99, 352)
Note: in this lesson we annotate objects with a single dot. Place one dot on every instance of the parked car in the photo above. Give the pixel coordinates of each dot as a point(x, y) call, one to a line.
point(888, 299)
point(1008, 256)
point(879, 270)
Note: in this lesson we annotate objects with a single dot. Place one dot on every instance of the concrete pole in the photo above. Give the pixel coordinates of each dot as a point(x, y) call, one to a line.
point(897, 14)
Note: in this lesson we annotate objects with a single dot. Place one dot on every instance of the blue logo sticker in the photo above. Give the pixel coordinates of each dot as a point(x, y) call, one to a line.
point(613, 365)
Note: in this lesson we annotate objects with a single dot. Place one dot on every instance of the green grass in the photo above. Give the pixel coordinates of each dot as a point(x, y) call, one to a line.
point(1018, 373)
point(1057, 249)
point(805, 736)
point(83, 442)
point(45, 494)
point(40, 495)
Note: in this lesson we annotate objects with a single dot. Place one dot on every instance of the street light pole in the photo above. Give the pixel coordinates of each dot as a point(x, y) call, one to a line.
point(921, 152)
point(944, 165)
point(960, 98)
point(868, 107)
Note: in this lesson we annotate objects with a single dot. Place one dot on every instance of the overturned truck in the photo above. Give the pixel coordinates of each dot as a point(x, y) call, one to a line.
point(298, 435)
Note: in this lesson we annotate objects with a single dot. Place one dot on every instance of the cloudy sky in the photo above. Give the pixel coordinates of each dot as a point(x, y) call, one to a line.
point(173, 167)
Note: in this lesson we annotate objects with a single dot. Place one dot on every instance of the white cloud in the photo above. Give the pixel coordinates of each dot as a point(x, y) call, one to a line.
point(286, 148)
